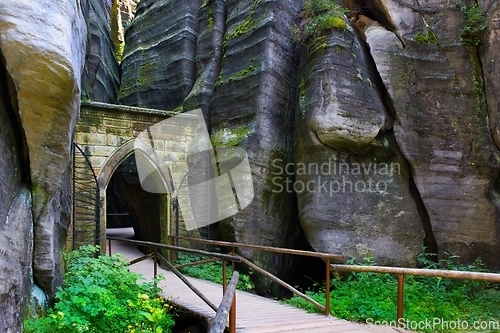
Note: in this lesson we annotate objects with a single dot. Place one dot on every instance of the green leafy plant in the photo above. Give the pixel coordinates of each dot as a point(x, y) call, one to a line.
point(319, 18)
point(212, 271)
point(475, 26)
point(363, 296)
point(100, 294)
point(427, 38)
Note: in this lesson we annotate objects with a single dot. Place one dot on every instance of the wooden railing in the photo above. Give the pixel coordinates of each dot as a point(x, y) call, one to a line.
point(402, 271)
point(229, 294)
point(327, 257)
point(399, 271)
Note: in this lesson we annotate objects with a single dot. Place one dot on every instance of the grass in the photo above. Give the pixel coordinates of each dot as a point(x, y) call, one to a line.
point(371, 298)
point(212, 271)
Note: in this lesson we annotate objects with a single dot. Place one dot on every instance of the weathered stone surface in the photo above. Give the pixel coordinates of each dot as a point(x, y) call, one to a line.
point(16, 220)
point(16, 234)
point(100, 81)
point(158, 65)
point(44, 56)
point(442, 123)
point(122, 13)
point(422, 116)
point(253, 102)
point(352, 184)
point(488, 54)
point(209, 49)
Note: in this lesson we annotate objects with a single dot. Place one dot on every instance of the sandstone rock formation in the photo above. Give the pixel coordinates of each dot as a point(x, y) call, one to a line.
point(43, 60)
point(396, 100)
point(433, 73)
point(158, 63)
point(16, 220)
point(253, 103)
point(100, 79)
point(351, 181)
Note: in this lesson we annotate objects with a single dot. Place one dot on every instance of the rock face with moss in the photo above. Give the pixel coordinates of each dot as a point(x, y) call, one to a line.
point(253, 102)
point(100, 79)
point(352, 183)
point(402, 113)
point(158, 64)
point(42, 62)
point(436, 87)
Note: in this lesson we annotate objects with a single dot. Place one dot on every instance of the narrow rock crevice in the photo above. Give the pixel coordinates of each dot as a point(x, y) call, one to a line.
point(372, 9)
point(493, 194)
point(9, 93)
point(212, 17)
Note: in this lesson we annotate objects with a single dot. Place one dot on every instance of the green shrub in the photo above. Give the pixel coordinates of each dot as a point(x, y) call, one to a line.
point(475, 26)
point(212, 271)
point(363, 296)
point(323, 16)
point(427, 38)
point(101, 295)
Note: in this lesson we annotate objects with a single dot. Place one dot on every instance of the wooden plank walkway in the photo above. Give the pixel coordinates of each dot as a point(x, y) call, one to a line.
point(254, 314)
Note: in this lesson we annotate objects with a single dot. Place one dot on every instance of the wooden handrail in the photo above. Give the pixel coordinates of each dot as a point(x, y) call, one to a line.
point(281, 283)
point(328, 257)
point(337, 257)
point(186, 282)
point(173, 269)
point(177, 248)
point(196, 263)
point(402, 271)
point(220, 320)
point(462, 275)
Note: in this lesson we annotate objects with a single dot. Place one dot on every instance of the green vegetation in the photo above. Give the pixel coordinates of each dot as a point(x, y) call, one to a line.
point(230, 137)
point(100, 294)
point(245, 27)
point(475, 26)
point(371, 297)
point(427, 38)
point(321, 16)
point(84, 98)
point(212, 271)
point(245, 72)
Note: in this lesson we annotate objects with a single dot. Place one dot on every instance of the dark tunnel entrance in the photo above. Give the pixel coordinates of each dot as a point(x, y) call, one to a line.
point(128, 205)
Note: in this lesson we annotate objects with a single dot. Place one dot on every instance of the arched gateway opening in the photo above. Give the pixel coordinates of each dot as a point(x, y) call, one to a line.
point(126, 206)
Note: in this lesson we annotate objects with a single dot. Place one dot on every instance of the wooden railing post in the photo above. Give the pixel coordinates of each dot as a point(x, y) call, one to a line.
point(233, 252)
point(232, 311)
point(232, 316)
point(401, 286)
point(155, 259)
point(172, 253)
point(224, 282)
point(327, 287)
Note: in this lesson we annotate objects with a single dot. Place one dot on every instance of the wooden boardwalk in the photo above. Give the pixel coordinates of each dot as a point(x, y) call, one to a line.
point(254, 314)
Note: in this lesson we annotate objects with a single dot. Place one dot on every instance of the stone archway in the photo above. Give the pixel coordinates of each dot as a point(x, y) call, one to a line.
point(162, 178)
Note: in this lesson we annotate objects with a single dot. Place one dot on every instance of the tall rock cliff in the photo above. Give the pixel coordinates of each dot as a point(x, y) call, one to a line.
point(159, 56)
point(430, 59)
point(42, 62)
point(100, 80)
point(373, 123)
point(253, 107)
point(352, 182)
